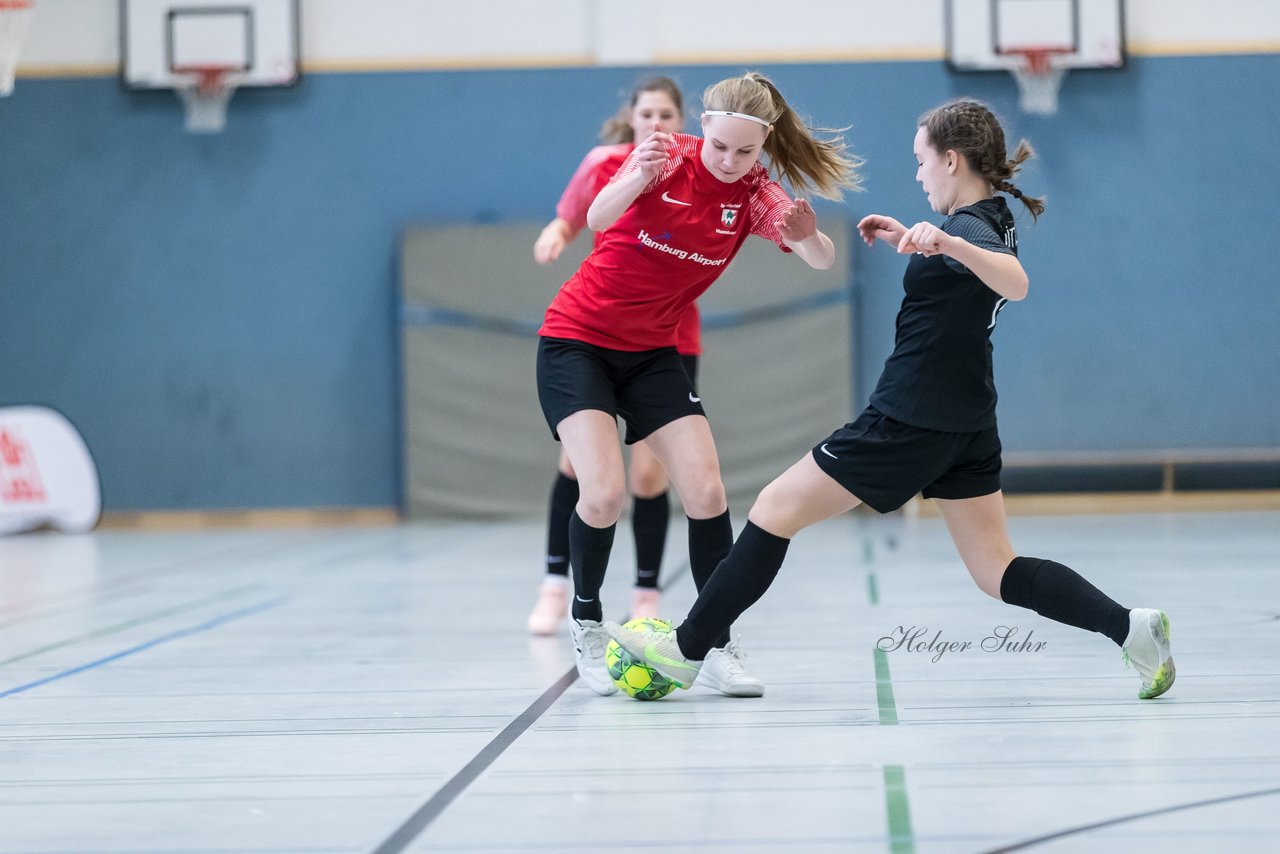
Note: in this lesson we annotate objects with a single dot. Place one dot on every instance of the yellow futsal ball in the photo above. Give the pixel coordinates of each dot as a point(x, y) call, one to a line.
point(636, 678)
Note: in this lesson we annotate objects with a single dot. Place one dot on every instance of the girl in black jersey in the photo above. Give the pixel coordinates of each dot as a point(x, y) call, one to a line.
point(931, 425)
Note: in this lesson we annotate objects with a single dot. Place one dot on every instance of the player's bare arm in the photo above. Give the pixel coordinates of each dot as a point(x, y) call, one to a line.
point(875, 227)
point(613, 201)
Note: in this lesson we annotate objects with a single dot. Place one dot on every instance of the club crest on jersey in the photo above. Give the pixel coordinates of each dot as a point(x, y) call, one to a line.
point(728, 217)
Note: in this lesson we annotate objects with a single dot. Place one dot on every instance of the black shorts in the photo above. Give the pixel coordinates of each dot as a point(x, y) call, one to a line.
point(885, 462)
point(690, 363)
point(649, 389)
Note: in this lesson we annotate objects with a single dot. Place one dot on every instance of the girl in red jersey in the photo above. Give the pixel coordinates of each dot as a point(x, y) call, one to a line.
point(930, 426)
point(671, 220)
point(654, 102)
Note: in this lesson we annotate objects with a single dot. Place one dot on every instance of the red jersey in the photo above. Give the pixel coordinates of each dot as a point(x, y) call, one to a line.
point(592, 174)
point(665, 250)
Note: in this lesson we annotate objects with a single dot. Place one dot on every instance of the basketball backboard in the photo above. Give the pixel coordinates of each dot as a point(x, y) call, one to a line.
point(162, 41)
point(996, 35)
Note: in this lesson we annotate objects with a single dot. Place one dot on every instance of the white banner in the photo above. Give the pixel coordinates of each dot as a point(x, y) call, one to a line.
point(47, 476)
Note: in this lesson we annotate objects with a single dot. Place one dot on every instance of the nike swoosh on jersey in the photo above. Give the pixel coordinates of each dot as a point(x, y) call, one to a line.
point(823, 448)
point(693, 399)
point(667, 198)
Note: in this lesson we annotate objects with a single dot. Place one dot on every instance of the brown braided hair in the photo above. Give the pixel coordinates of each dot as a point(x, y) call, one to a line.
point(825, 166)
point(969, 128)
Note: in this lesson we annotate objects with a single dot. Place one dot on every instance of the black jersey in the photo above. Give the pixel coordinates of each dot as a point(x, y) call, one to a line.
point(939, 376)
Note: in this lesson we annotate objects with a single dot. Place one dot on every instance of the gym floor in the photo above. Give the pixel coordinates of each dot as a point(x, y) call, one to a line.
point(373, 689)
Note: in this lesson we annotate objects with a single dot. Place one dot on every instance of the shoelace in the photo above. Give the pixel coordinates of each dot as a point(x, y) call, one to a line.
point(736, 658)
point(593, 642)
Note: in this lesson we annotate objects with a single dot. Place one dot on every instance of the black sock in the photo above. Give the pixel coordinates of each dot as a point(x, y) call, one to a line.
point(564, 496)
point(736, 585)
point(649, 519)
point(589, 549)
point(1060, 593)
point(709, 543)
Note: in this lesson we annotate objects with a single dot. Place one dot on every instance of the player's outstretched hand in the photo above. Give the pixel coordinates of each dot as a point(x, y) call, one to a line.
point(798, 222)
point(548, 247)
point(652, 152)
point(875, 227)
point(925, 238)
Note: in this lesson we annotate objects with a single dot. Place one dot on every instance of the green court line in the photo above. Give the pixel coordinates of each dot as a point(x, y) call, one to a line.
point(884, 690)
point(873, 589)
point(901, 838)
point(129, 624)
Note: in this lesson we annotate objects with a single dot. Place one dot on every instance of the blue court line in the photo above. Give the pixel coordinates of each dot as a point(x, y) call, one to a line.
point(423, 314)
point(180, 633)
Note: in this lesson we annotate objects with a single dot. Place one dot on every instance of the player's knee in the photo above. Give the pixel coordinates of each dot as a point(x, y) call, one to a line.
point(601, 506)
point(705, 497)
point(647, 479)
point(772, 511)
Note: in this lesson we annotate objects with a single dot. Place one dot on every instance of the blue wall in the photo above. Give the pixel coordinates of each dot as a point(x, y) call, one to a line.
point(217, 313)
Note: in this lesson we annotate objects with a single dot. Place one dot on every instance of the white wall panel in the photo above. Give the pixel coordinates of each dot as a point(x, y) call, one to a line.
point(81, 36)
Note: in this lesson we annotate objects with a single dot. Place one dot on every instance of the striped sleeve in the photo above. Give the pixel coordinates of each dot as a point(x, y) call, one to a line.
point(684, 148)
point(976, 230)
point(768, 203)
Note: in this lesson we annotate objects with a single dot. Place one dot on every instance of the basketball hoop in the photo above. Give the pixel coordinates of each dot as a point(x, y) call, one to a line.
point(15, 15)
point(205, 91)
point(1038, 80)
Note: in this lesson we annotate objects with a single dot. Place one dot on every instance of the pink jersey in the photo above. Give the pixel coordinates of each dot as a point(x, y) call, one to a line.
point(678, 236)
point(588, 180)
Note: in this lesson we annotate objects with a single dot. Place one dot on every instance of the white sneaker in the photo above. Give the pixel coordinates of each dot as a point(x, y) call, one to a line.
point(1147, 649)
point(725, 671)
point(589, 642)
point(659, 650)
point(552, 606)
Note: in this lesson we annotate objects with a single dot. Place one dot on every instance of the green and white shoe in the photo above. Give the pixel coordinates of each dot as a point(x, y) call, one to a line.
point(1147, 649)
point(659, 650)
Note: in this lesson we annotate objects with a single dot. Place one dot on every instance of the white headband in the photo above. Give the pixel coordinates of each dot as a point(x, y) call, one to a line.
point(734, 115)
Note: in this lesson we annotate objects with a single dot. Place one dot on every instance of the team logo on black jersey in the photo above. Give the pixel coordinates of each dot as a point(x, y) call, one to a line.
point(728, 216)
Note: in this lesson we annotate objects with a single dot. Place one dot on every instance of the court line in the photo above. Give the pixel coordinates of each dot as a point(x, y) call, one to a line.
point(458, 783)
point(440, 801)
point(129, 624)
point(884, 691)
point(897, 805)
point(901, 838)
point(171, 636)
point(1028, 843)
